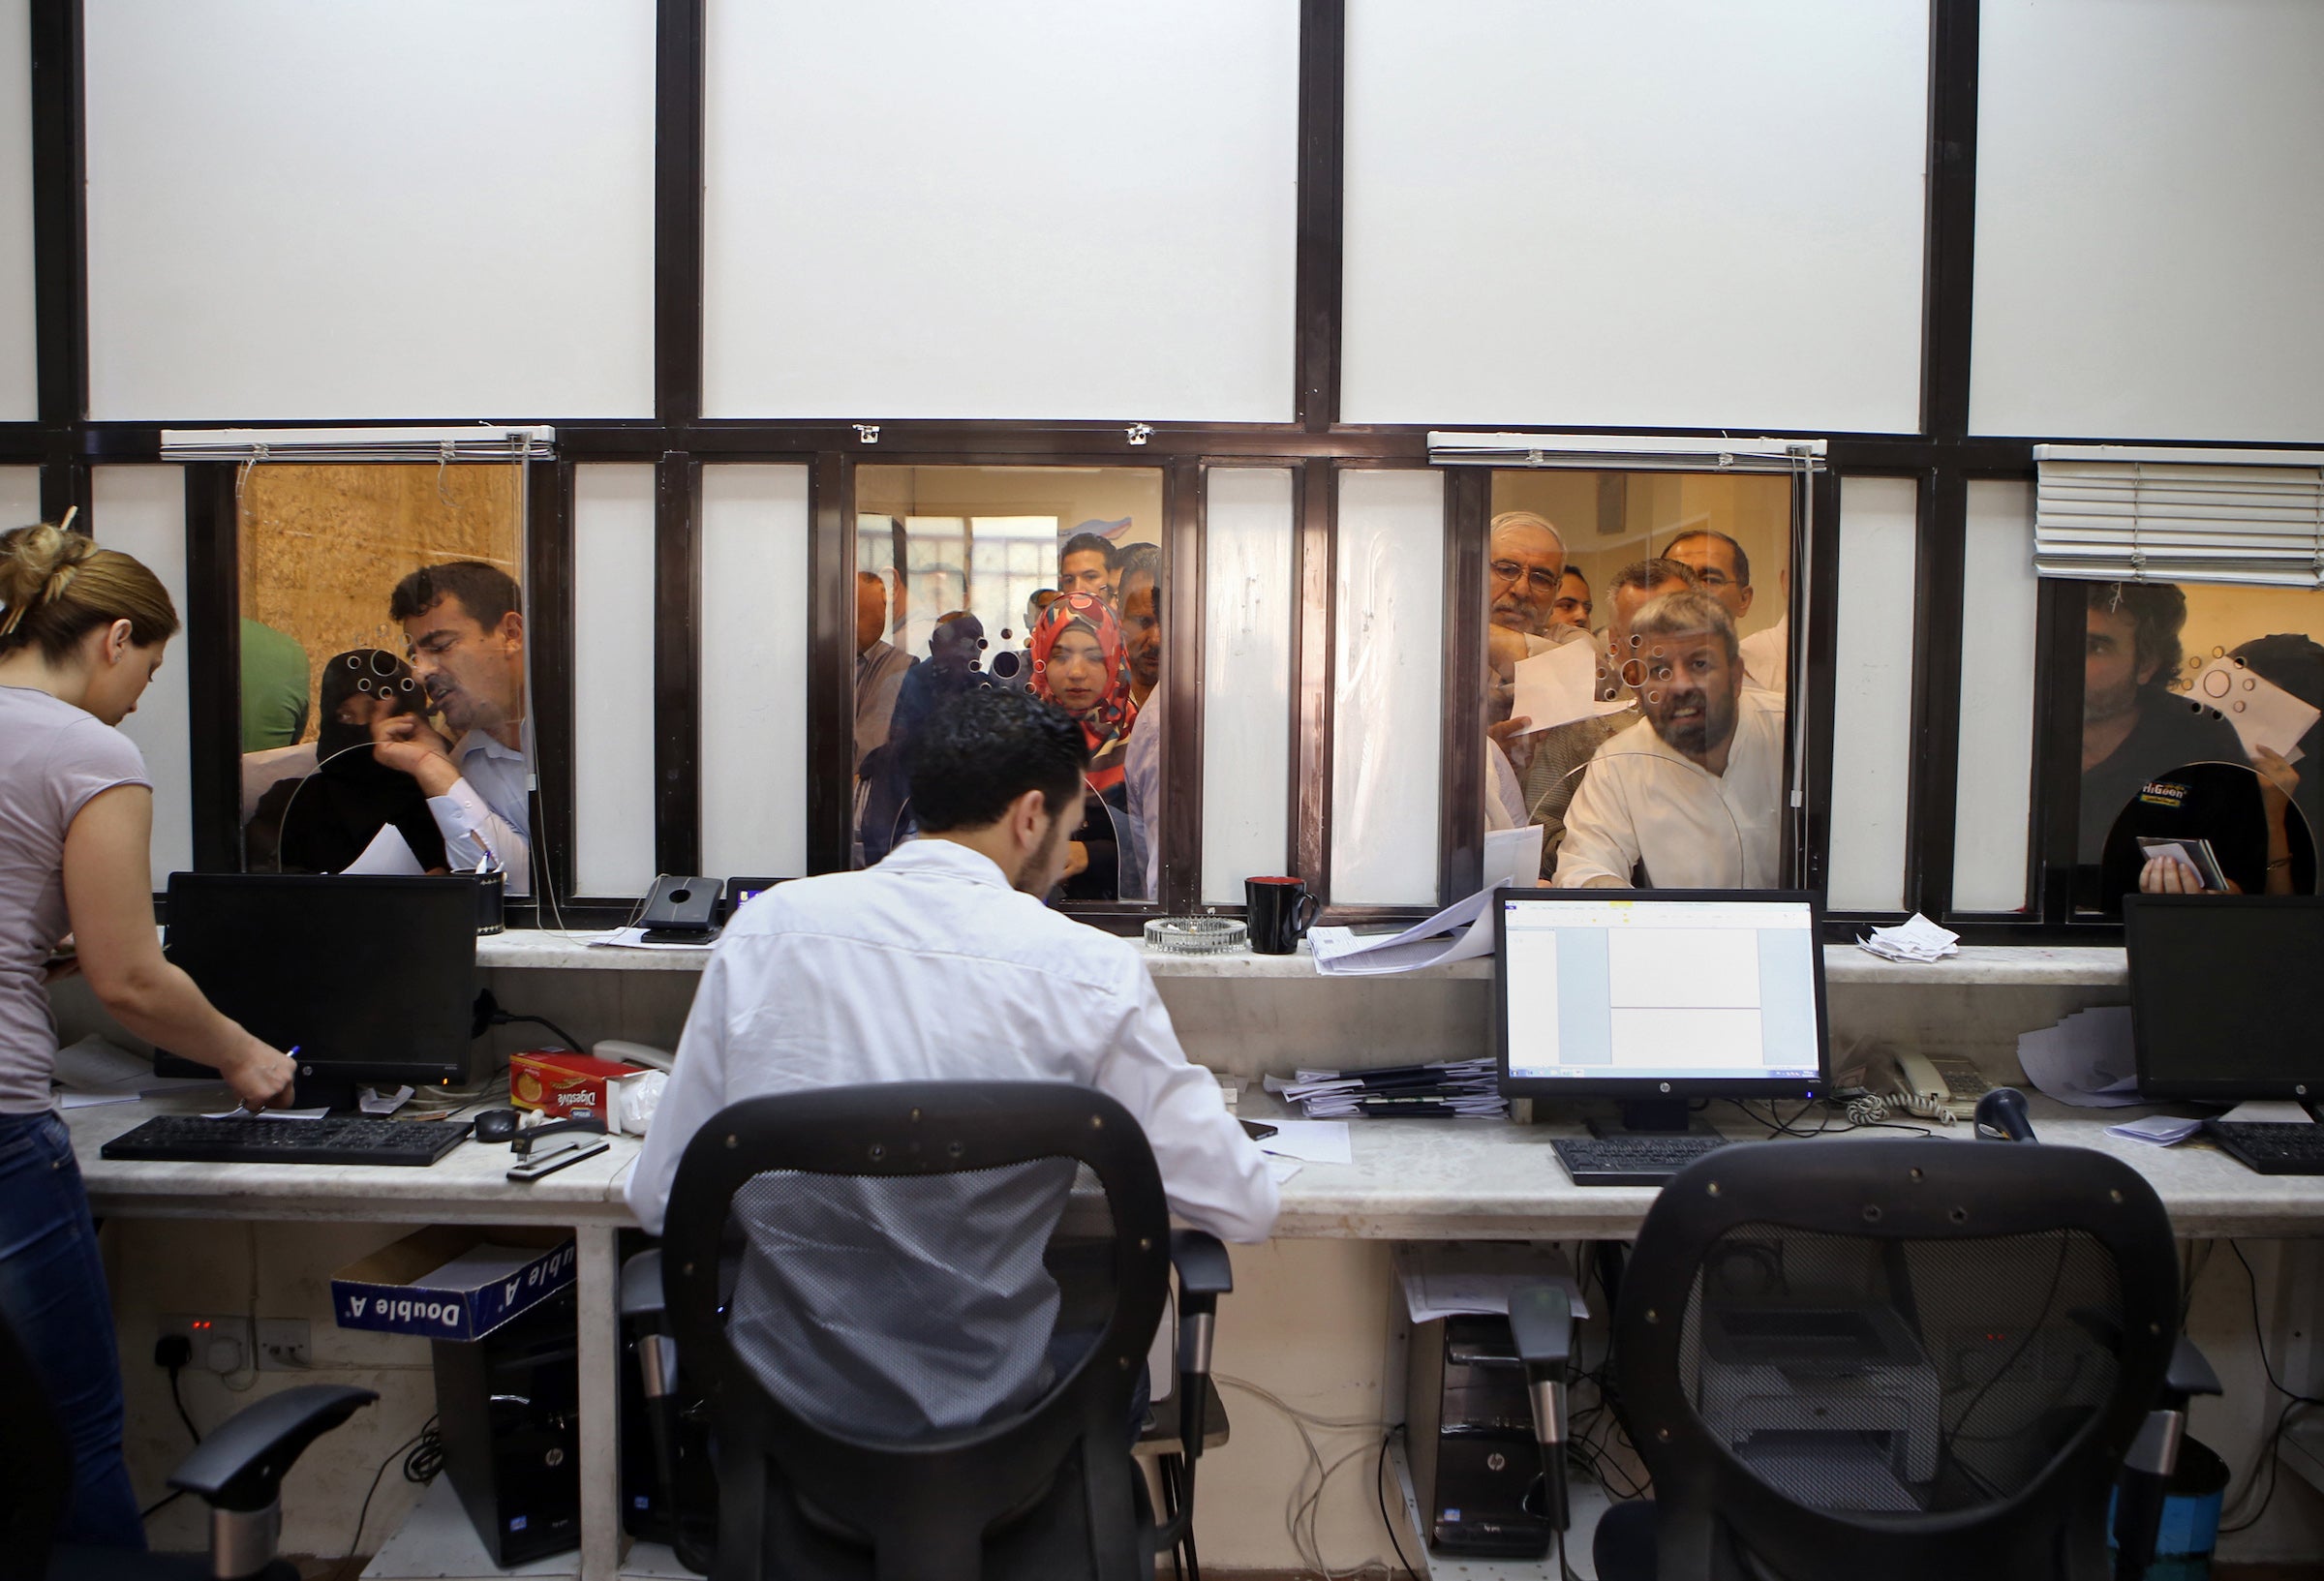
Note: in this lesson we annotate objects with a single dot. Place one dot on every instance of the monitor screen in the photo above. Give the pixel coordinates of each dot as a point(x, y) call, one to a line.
point(372, 976)
point(2225, 998)
point(1629, 995)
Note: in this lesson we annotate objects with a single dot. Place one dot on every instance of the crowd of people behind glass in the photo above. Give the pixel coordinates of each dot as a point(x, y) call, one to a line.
point(1091, 646)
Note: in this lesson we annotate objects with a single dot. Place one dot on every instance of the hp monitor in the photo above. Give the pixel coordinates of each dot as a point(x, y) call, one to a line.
point(371, 979)
point(2227, 995)
point(1654, 998)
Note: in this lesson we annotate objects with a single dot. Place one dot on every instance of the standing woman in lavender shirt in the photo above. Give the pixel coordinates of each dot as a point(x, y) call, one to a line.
point(81, 633)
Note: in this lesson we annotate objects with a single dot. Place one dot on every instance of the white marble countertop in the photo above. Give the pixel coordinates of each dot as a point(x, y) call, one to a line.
point(1409, 1180)
point(2003, 965)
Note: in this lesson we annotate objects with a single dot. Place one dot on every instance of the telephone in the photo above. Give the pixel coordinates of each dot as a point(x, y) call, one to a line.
point(1944, 1089)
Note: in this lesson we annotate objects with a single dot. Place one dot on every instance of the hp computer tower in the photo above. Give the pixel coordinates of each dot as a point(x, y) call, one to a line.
point(1468, 1430)
point(509, 1408)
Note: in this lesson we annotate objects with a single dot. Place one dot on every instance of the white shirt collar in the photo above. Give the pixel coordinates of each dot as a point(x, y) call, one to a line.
point(947, 859)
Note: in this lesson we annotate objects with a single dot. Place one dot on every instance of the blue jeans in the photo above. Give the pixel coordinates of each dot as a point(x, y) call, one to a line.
point(53, 1292)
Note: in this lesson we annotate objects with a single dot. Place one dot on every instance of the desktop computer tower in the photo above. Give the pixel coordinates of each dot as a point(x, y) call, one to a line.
point(509, 1408)
point(1469, 1432)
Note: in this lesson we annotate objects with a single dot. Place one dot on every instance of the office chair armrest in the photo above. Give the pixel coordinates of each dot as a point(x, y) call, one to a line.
point(2190, 1372)
point(1540, 1320)
point(240, 1466)
point(1205, 1274)
point(641, 1286)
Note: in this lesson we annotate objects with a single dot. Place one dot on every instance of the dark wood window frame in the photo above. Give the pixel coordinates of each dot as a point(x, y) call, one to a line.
point(1942, 458)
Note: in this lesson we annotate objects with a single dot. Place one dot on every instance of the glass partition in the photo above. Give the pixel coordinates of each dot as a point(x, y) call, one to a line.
point(1640, 653)
point(1049, 579)
point(2200, 749)
point(383, 677)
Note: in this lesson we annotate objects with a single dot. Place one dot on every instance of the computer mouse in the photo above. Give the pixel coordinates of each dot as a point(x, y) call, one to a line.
point(496, 1124)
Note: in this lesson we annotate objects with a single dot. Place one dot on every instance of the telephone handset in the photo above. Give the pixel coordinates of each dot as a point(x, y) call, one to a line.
point(1944, 1089)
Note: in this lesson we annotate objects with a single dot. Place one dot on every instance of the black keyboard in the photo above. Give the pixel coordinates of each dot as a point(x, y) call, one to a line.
point(2271, 1147)
point(1631, 1160)
point(193, 1138)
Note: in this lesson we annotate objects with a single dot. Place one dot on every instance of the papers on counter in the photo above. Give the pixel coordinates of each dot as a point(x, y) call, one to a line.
point(1442, 1279)
point(157, 1086)
point(634, 938)
point(323, 1114)
point(1446, 1090)
point(379, 1101)
point(93, 1072)
point(2085, 1059)
point(2158, 1130)
point(1562, 685)
point(1311, 1141)
point(1461, 932)
point(1916, 938)
point(2269, 1111)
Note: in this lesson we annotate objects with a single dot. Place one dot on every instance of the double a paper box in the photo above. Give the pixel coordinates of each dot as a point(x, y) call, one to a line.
point(449, 1283)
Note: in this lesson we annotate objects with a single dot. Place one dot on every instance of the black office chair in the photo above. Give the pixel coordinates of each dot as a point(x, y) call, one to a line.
point(1905, 1358)
point(237, 1470)
point(825, 1255)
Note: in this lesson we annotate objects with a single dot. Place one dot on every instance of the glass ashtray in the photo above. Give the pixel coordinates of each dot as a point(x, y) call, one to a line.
point(1196, 935)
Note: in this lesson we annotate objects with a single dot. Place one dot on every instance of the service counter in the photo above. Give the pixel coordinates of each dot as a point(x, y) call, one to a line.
point(1313, 1319)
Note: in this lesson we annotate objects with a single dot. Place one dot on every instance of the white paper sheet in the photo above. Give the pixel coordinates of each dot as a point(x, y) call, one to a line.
point(1449, 1278)
point(480, 1267)
point(388, 855)
point(1562, 685)
point(1512, 857)
point(2157, 1130)
point(323, 1114)
point(1916, 938)
point(1313, 1141)
point(2269, 1111)
point(373, 1101)
point(2263, 713)
point(1280, 1170)
point(94, 1065)
point(2085, 1060)
point(634, 938)
point(1342, 952)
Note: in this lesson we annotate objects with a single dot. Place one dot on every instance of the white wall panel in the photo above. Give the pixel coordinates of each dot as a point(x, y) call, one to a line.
point(754, 601)
point(2150, 220)
point(19, 400)
point(142, 512)
point(1388, 665)
point(20, 496)
point(1993, 794)
point(1665, 212)
point(1028, 208)
point(1249, 605)
point(370, 209)
point(1872, 693)
point(613, 679)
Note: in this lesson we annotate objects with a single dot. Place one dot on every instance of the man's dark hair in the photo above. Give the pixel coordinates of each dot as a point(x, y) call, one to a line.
point(1141, 560)
point(984, 750)
point(487, 592)
point(1575, 571)
point(2158, 612)
point(1646, 576)
point(1090, 543)
point(1742, 559)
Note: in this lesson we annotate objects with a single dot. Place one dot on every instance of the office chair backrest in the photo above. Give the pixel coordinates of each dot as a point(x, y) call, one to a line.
point(1909, 1359)
point(36, 1461)
point(899, 1387)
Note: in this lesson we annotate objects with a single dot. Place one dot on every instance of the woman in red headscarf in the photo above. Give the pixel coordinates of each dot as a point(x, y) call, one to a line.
point(1078, 658)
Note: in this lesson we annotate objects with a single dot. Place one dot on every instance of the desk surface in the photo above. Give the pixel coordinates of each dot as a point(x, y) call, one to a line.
point(1410, 1181)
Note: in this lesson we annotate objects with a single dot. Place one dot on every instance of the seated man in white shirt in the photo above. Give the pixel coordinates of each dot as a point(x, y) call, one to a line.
point(465, 630)
point(1691, 792)
point(941, 963)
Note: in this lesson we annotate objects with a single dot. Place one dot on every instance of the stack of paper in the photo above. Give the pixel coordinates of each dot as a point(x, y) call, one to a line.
point(1442, 1279)
point(2085, 1059)
point(1916, 938)
point(1454, 1087)
point(94, 1072)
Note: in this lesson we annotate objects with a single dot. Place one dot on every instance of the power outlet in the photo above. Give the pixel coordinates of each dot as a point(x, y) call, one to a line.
point(285, 1345)
point(221, 1342)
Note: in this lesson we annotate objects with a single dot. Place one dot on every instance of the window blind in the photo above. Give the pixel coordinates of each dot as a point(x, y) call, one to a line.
point(1626, 452)
point(476, 442)
point(2113, 513)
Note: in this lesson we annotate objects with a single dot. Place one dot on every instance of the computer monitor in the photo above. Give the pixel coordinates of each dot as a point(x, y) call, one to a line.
point(1657, 998)
point(2227, 995)
point(371, 978)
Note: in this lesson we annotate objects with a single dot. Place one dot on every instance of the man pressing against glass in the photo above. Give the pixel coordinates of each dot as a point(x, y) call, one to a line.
point(466, 640)
point(1686, 798)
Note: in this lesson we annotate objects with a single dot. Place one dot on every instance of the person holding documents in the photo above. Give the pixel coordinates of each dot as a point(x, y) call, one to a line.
point(1562, 752)
point(466, 632)
point(941, 963)
point(1525, 566)
point(82, 634)
point(1686, 798)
